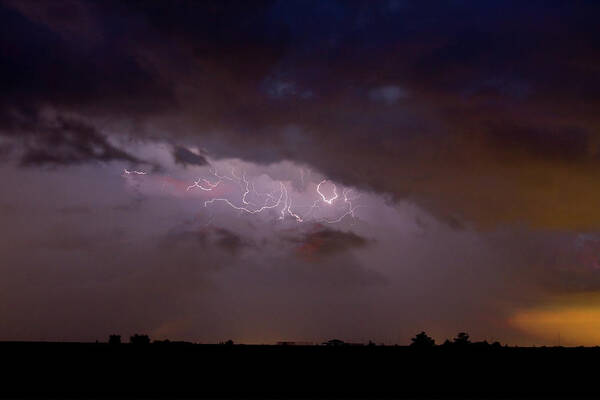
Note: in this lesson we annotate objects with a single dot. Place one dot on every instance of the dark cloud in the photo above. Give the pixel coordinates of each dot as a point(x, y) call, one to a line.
point(229, 241)
point(60, 140)
point(6, 149)
point(207, 237)
point(324, 242)
point(186, 157)
point(361, 91)
point(546, 142)
point(52, 63)
point(479, 115)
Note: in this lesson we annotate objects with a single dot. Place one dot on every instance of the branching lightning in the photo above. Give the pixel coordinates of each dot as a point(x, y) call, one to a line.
point(265, 206)
point(350, 209)
point(209, 186)
point(128, 172)
point(279, 199)
point(325, 199)
point(251, 201)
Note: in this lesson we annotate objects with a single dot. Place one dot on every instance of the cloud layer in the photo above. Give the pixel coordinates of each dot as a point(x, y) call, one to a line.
point(448, 102)
point(469, 130)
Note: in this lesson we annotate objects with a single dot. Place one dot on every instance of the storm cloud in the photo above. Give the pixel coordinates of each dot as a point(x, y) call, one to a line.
point(466, 132)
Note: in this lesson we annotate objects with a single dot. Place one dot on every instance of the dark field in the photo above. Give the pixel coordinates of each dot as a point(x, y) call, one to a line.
point(217, 371)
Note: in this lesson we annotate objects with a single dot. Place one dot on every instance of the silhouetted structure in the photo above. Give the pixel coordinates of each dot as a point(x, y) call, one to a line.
point(422, 341)
point(139, 339)
point(114, 339)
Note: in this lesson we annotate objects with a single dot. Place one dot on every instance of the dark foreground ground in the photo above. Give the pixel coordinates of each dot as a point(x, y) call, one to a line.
point(220, 371)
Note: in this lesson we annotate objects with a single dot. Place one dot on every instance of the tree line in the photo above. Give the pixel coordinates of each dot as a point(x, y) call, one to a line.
point(421, 340)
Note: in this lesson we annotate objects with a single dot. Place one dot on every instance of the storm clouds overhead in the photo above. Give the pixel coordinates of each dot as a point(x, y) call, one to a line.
point(300, 170)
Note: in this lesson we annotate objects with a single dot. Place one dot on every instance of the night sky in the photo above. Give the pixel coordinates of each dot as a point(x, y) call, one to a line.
point(300, 170)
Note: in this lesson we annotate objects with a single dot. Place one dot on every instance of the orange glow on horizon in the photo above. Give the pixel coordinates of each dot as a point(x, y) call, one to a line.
point(574, 319)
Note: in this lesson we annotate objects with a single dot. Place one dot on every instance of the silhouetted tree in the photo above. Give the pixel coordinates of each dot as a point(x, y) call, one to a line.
point(481, 345)
point(114, 339)
point(462, 339)
point(227, 343)
point(139, 339)
point(422, 341)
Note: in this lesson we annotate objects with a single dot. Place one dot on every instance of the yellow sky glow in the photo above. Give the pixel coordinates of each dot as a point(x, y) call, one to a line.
point(575, 318)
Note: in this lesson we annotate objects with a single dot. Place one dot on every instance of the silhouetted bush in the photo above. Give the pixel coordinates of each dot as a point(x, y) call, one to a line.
point(422, 341)
point(139, 339)
point(114, 339)
point(481, 345)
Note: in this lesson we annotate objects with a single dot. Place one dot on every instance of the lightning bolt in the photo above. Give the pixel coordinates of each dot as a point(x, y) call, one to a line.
point(328, 201)
point(246, 191)
point(250, 211)
point(209, 186)
point(287, 207)
point(128, 172)
point(350, 210)
point(278, 199)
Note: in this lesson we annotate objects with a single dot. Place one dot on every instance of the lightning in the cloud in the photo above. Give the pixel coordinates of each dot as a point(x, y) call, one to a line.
point(209, 186)
point(265, 206)
point(279, 199)
point(246, 189)
point(252, 201)
point(350, 209)
point(135, 172)
point(325, 199)
point(287, 207)
point(292, 214)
